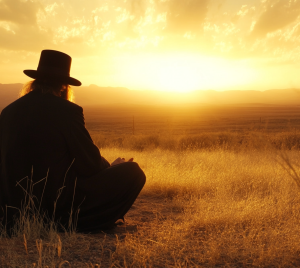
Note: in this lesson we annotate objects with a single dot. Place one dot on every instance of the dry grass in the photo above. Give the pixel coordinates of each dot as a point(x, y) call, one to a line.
point(199, 208)
point(234, 141)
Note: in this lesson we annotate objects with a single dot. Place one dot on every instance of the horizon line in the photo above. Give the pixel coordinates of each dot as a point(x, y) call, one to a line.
point(162, 91)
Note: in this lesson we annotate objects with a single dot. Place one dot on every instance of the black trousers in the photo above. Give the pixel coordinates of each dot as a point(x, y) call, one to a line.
point(114, 191)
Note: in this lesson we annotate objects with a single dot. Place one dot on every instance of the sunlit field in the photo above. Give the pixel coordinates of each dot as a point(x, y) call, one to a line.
point(222, 190)
point(200, 207)
point(204, 95)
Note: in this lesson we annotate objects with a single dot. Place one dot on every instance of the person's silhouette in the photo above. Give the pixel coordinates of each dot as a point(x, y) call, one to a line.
point(43, 135)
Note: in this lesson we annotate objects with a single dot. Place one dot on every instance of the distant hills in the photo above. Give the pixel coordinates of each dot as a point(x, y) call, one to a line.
point(94, 96)
point(8, 93)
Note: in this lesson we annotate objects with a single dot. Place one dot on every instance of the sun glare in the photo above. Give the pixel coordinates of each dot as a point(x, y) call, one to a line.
point(184, 73)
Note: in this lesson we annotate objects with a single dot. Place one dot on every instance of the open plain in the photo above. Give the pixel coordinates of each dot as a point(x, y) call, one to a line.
point(222, 190)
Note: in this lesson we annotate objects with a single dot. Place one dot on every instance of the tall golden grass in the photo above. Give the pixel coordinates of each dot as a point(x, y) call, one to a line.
point(238, 141)
point(200, 207)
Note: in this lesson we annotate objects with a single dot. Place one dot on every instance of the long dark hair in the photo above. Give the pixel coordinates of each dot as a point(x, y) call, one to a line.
point(58, 89)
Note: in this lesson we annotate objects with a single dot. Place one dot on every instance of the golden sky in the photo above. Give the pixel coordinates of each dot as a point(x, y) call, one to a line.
point(171, 45)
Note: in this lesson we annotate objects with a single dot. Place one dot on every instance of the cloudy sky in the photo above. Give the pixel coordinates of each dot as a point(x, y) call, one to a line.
point(157, 44)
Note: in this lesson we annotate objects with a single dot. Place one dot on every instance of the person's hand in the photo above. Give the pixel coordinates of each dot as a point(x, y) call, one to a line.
point(120, 160)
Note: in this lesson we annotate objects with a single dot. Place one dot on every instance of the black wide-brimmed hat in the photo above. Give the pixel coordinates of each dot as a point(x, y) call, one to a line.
point(54, 66)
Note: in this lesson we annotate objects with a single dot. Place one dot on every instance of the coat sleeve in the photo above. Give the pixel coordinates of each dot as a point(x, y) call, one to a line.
point(88, 160)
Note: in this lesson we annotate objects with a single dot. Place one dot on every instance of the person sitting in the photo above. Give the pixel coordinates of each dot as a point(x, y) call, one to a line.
point(44, 143)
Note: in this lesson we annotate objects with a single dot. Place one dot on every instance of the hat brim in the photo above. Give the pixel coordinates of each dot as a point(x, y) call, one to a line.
point(65, 79)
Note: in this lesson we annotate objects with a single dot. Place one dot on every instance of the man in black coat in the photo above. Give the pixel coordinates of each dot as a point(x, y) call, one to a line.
point(46, 151)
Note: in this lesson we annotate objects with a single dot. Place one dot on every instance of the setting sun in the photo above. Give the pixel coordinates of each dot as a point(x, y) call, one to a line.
point(162, 45)
point(183, 72)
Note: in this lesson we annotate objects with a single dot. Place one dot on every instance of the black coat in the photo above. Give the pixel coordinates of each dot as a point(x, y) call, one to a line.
point(43, 134)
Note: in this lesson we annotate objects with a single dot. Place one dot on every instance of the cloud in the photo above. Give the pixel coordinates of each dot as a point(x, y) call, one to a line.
point(222, 28)
point(19, 12)
point(138, 7)
point(19, 29)
point(185, 16)
point(28, 39)
point(276, 16)
point(167, 17)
